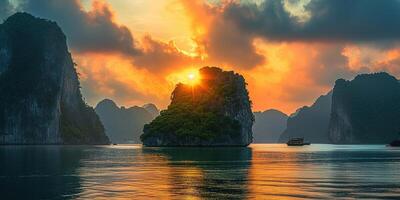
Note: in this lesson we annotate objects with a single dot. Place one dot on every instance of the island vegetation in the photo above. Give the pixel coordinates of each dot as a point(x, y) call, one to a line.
point(216, 111)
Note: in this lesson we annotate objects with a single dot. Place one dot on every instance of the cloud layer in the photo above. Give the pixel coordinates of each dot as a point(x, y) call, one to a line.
point(6, 9)
point(290, 51)
point(87, 31)
point(291, 56)
point(329, 20)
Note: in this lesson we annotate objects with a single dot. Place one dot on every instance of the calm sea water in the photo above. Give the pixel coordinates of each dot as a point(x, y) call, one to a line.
point(258, 172)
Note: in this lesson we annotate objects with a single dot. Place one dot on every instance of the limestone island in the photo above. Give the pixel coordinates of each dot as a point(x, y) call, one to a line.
point(215, 111)
point(40, 97)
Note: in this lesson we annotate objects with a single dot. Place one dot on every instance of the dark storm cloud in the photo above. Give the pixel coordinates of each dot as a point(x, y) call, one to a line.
point(232, 34)
point(92, 30)
point(6, 9)
point(330, 20)
point(227, 44)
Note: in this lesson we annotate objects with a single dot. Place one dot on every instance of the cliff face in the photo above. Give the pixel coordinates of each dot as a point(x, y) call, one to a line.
point(216, 112)
point(365, 110)
point(40, 99)
point(124, 125)
point(268, 126)
point(312, 122)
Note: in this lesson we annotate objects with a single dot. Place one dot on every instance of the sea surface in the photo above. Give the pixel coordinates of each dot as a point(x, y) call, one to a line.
point(260, 171)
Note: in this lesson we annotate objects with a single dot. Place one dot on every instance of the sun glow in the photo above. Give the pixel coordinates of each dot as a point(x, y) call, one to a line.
point(188, 76)
point(193, 78)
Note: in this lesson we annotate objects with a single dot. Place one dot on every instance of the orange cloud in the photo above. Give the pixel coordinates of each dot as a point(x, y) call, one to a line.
point(163, 57)
point(288, 80)
point(113, 76)
point(280, 75)
point(370, 58)
point(218, 40)
point(389, 62)
point(284, 75)
point(353, 55)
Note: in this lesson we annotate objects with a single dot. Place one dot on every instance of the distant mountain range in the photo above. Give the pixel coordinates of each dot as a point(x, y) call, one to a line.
point(125, 125)
point(312, 122)
point(268, 126)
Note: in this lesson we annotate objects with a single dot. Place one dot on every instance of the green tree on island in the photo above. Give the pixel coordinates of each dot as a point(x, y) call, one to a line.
point(204, 114)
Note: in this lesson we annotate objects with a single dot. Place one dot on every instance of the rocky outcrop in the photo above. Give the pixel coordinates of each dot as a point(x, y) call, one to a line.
point(215, 112)
point(40, 98)
point(124, 125)
point(365, 110)
point(268, 126)
point(152, 109)
point(311, 123)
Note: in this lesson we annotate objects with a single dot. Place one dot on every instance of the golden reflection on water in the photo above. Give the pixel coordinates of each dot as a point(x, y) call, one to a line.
point(256, 172)
point(278, 176)
point(199, 173)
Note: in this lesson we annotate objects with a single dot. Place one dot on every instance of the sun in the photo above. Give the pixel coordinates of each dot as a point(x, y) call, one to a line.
point(191, 76)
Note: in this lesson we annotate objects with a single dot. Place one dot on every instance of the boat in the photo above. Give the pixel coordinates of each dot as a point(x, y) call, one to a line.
point(395, 143)
point(297, 142)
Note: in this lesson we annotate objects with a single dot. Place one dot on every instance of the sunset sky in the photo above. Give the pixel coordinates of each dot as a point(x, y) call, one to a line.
point(289, 51)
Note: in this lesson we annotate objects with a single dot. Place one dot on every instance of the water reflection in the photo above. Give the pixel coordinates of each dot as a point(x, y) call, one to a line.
point(39, 172)
point(325, 172)
point(257, 172)
point(366, 174)
point(205, 173)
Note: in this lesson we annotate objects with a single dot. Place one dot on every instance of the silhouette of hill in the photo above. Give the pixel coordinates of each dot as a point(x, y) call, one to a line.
point(152, 109)
point(268, 126)
point(124, 125)
point(310, 122)
point(365, 110)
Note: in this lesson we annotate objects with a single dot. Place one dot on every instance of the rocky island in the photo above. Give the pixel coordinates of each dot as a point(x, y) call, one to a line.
point(310, 122)
point(214, 112)
point(365, 110)
point(40, 98)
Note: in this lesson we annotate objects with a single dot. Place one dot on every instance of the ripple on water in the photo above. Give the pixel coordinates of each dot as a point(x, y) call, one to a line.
point(258, 172)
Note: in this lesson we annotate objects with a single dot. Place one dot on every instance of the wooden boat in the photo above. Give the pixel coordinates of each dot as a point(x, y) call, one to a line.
point(297, 142)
